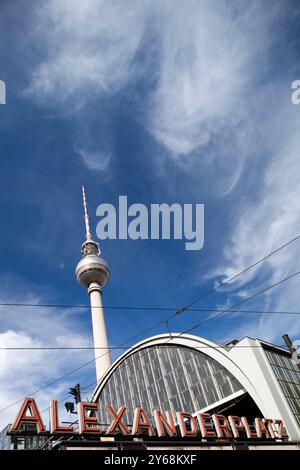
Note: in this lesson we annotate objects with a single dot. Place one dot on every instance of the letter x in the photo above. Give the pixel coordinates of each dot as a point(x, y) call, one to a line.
point(117, 422)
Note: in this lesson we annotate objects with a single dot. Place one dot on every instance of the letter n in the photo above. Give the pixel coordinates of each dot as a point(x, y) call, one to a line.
point(164, 424)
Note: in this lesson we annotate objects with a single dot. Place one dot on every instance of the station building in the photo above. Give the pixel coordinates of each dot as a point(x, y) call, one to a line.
point(250, 378)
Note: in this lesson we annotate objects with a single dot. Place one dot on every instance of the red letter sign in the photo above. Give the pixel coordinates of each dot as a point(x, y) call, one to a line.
point(182, 424)
point(164, 424)
point(221, 425)
point(117, 422)
point(87, 422)
point(34, 418)
point(207, 429)
point(141, 423)
point(54, 426)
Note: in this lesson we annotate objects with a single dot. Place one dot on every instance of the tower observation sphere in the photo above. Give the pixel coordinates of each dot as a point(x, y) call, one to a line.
point(92, 268)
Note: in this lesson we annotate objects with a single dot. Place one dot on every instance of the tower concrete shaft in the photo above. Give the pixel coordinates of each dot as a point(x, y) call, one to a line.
point(92, 273)
point(102, 352)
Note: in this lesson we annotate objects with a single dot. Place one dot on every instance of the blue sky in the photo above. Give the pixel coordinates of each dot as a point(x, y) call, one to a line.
point(162, 102)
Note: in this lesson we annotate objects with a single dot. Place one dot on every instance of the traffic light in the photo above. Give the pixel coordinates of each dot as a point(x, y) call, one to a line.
point(75, 391)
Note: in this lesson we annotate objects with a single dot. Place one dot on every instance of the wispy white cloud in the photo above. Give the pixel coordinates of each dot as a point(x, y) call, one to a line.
point(208, 62)
point(268, 327)
point(264, 222)
point(204, 61)
point(22, 372)
point(93, 159)
point(89, 48)
point(25, 371)
point(272, 217)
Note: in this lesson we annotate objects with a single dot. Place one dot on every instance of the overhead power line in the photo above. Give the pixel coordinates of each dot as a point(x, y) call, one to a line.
point(181, 310)
point(172, 338)
point(220, 286)
point(92, 349)
point(275, 312)
point(230, 309)
point(49, 348)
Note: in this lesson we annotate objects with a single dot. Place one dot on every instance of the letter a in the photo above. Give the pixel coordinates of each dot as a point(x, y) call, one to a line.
point(33, 418)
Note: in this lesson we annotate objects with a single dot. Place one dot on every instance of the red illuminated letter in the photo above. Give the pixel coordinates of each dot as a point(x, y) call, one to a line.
point(164, 424)
point(117, 422)
point(261, 428)
point(221, 426)
point(247, 428)
point(54, 426)
point(207, 429)
point(88, 422)
point(141, 423)
point(281, 433)
point(269, 423)
point(236, 425)
point(34, 417)
point(182, 424)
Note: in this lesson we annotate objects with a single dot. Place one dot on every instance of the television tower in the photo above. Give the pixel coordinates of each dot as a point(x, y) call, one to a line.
point(92, 272)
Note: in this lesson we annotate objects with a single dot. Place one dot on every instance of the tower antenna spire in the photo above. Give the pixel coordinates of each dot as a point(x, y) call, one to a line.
point(86, 216)
point(92, 273)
